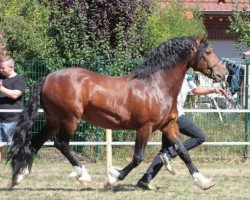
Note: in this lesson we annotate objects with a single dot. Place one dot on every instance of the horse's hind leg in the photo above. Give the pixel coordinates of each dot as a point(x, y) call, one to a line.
point(37, 142)
point(171, 132)
point(142, 136)
point(66, 130)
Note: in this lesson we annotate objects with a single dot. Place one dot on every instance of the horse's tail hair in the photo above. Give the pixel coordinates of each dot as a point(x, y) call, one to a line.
point(20, 152)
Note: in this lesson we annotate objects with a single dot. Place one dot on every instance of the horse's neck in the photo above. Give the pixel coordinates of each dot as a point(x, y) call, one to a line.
point(173, 79)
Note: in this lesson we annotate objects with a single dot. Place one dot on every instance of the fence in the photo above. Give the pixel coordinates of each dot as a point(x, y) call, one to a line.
point(223, 127)
point(235, 129)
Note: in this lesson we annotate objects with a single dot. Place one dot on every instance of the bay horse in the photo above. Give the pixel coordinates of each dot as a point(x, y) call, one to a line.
point(145, 101)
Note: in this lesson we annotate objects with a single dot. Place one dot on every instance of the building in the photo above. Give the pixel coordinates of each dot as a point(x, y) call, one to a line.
point(216, 18)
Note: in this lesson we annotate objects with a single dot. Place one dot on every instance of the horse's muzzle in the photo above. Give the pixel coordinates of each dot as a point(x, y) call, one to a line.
point(220, 74)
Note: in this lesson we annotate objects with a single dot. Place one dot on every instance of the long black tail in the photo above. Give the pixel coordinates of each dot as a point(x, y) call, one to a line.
point(20, 152)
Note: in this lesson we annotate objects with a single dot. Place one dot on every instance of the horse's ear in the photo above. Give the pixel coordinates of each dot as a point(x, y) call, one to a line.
point(200, 39)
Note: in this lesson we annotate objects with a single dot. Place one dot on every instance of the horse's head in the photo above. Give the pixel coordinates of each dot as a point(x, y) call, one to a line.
point(204, 60)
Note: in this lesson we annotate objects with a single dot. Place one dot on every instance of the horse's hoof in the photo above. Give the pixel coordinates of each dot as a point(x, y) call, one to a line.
point(114, 171)
point(13, 183)
point(106, 184)
point(76, 173)
point(85, 183)
point(110, 180)
point(204, 184)
point(85, 177)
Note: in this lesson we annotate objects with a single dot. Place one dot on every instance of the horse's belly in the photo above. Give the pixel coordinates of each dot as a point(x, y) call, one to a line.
point(108, 120)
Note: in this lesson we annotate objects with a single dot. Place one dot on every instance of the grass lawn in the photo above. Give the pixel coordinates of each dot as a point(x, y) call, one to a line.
point(49, 180)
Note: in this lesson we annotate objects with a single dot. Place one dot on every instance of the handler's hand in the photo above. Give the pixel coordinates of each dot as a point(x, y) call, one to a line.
point(220, 91)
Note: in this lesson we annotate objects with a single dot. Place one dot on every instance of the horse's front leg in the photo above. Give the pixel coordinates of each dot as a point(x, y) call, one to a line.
point(115, 174)
point(172, 132)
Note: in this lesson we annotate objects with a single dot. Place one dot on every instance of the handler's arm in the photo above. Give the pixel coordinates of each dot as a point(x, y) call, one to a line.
point(204, 91)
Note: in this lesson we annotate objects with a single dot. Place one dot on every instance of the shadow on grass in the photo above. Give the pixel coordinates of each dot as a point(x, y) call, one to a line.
point(47, 189)
point(124, 187)
point(114, 189)
point(117, 188)
point(128, 188)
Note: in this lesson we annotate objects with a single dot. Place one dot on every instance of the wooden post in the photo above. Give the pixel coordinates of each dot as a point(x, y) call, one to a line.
point(108, 149)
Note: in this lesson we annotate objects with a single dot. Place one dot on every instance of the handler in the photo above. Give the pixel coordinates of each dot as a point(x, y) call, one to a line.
point(186, 127)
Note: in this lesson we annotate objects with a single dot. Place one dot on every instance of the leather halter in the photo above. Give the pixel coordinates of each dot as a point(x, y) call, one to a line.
point(209, 65)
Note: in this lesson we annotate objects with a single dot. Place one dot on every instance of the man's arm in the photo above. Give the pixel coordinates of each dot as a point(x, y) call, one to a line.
point(204, 91)
point(13, 94)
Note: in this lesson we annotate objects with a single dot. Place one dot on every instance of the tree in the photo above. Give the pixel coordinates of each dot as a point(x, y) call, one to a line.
point(56, 32)
point(240, 26)
point(101, 28)
point(24, 24)
point(68, 30)
point(171, 21)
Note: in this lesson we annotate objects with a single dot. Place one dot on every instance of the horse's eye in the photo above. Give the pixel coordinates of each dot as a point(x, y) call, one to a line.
point(208, 52)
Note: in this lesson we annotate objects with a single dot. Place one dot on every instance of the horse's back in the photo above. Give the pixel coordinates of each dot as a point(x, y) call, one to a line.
point(106, 101)
point(68, 91)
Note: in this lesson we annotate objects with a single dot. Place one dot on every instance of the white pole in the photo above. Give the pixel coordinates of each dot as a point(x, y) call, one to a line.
point(108, 149)
point(217, 108)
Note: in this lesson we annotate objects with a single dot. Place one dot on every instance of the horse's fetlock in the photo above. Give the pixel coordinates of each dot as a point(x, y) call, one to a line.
point(137, 160)
point(121, 177)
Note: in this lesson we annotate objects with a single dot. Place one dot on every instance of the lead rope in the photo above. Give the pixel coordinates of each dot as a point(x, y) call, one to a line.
point(217, 108)
point(229, 97)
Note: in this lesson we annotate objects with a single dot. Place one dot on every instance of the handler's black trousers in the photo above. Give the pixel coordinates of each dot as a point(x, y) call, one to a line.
point(187, 127)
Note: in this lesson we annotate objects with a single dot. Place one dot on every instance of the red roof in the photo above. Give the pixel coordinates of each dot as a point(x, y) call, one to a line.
point(213, 5)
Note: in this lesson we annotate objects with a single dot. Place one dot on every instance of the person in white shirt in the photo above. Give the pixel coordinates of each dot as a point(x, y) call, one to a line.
point(186, 127)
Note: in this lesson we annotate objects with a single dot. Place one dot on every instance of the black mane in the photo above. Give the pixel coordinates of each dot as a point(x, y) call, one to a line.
point(165, 56)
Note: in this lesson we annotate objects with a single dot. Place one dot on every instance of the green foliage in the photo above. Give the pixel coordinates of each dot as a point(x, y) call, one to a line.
point(97, 29)
point(24, 24)
point(69, 32)
point(240, 26)
point(171, 21)
point(57, 32)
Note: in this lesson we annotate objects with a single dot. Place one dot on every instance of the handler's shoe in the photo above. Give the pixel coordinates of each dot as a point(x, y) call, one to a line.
point(145, 185)
point(167, 163)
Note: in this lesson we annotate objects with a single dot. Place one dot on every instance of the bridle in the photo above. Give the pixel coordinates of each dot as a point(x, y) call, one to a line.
point(209, 65)
point(202, 54)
